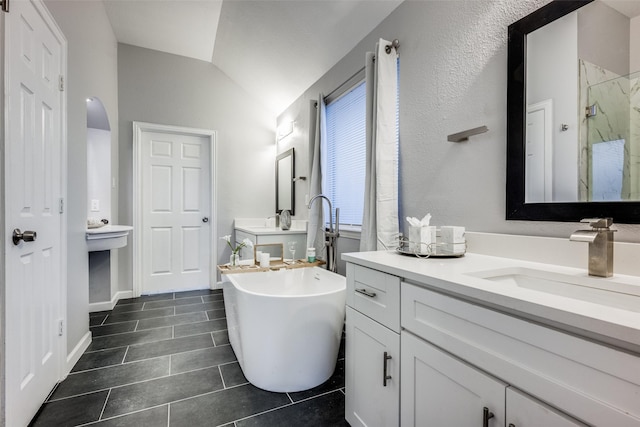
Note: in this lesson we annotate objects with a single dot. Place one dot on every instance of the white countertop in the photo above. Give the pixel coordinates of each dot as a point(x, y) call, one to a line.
point(264, 231)
point(620, 327)
point(267, 226)
point(109, 229)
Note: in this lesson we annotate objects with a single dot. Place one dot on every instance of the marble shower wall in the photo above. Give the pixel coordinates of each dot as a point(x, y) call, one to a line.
point(617, 99)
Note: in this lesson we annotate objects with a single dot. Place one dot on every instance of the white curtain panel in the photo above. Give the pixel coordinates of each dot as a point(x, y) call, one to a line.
point(380, 225)
point(315, 230)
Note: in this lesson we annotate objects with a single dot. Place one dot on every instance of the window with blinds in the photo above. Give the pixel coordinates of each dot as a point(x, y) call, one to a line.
point(344, 150)
point(345, 154)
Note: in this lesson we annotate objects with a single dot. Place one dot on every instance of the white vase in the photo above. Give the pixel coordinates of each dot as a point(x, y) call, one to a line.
point(234, 259)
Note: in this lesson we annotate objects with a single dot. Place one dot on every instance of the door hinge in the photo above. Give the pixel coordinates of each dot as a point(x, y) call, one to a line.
point(61, 83)
point(61, 328)
point(61, 205)
point(5, 5)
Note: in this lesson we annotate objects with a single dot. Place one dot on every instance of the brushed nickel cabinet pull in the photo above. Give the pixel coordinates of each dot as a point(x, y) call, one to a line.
point(363, 291)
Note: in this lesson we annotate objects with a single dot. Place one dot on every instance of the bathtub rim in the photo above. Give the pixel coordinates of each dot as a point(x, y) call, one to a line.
point(232, 280)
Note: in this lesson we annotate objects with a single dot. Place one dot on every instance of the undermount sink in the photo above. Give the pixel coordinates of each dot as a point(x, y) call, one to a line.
point(599, 291)
point(107, 237)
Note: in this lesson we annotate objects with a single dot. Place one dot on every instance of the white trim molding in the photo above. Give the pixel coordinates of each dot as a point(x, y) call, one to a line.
point(75, 354)
point(108, 305)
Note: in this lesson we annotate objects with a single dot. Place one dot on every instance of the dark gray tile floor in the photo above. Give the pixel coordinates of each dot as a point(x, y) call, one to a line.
point(165, 360)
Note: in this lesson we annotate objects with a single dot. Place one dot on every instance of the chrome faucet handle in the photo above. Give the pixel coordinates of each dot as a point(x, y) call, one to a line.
point(598, 222)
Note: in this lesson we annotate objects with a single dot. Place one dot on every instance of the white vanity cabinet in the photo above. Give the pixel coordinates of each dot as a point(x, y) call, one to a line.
point(272, 235)
point(372, 383)
point(452, 392)
point(440, 390)
point(577, 378)
point(466, 363)
point(524, 410)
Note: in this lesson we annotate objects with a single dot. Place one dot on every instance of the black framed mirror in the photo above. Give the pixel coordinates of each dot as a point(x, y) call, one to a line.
point(520, 205)
point(285, 190)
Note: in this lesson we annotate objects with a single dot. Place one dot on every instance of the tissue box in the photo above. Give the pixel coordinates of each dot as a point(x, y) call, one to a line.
point(452, 248)
point(451, 234)
point(420, 238)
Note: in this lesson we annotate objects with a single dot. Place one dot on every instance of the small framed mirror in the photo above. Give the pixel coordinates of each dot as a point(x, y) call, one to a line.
point(285, 170)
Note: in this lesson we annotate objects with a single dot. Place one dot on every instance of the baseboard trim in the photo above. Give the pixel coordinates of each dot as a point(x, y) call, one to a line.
point(77, 352)
point(108, 305)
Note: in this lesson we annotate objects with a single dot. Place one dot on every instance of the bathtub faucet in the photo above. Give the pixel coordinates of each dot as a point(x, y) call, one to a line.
point(331, 235)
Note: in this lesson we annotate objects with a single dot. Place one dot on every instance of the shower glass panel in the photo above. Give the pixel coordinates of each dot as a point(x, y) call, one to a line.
point(613, 139)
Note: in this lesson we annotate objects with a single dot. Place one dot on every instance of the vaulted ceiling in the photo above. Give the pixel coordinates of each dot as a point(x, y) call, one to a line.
point(274, 49)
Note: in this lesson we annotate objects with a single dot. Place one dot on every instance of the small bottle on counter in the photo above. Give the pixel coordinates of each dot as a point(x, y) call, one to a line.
point(311, 254)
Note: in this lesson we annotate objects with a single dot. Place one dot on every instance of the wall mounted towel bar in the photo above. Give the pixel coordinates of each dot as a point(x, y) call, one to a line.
point(464, 136)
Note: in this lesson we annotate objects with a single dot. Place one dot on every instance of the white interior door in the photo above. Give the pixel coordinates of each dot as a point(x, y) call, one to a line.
point(35, 52)
point(539, 157)
point(176, 211)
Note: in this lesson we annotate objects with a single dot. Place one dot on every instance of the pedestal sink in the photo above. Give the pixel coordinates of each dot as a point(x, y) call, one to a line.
point(107, 237)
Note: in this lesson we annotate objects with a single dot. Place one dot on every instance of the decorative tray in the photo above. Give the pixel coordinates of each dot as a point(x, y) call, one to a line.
point(275, 265)
point(434, 250)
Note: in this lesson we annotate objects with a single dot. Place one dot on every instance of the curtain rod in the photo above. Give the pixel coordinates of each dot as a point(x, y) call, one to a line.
point(357, 76)
point(395, 44)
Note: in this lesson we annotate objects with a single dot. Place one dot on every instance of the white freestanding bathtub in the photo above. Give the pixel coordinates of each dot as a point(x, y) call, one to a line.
point(285, 326)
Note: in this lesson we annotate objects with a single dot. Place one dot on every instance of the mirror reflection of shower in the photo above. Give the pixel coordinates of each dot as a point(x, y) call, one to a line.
point(98, 161)
point(612, 136)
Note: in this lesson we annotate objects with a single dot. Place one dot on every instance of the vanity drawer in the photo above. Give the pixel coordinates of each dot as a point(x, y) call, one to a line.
point(374, 294)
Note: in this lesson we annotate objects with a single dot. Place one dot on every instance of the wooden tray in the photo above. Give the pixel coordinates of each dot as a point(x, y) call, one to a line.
point(275, 265)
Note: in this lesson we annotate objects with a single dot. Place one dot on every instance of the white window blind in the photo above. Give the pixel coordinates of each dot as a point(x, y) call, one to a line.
point(345, 154)
point(344, 150)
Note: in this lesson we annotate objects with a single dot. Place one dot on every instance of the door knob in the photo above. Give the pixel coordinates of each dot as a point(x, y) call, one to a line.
point(27, 236)
point(205, 219)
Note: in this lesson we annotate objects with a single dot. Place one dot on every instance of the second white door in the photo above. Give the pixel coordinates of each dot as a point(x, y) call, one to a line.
point(35, 58)
point(176, 211)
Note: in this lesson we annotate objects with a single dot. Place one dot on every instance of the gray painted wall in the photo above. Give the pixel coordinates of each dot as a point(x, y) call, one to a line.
point(634, 60)
point(168, 89)
point(92, 71)
point(2, 223)
point(603, 37)
point(453, 73)
point(552, 73)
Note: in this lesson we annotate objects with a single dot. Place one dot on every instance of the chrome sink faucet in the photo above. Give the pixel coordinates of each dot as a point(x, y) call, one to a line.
point(277, 217)
point(600, 239)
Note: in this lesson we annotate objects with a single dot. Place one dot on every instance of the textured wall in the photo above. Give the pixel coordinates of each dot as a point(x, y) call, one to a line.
point(453, 74)
point(168, 89)
point(92, 71)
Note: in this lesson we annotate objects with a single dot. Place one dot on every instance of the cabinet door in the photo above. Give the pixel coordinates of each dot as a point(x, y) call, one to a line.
point(285, 238)
point(368, 401)
point(526, 411)
point(440, 390)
